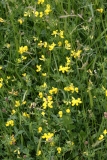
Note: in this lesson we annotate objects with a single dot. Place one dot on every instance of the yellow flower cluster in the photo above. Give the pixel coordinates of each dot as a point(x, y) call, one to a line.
point(76, 101)
point(47, 102)
point(60, 113)
point(10, 123)
point(26, 115)
point(76, 54)
point(71, 88)
point(51, 46)
point(47, 10)
point(64, 69)
point(19, 60)
point(68, 61)
point(59, 150)
point(41, 14)
point(41, 44)
point(44, 85)
point(40, 1)
point(47, 136)
point(12, 140)
point(100, 10)
point(101, 137)
point(23, 49)
point(45, 44)
point(53, 90)
point(60, 33)
point(67, 45)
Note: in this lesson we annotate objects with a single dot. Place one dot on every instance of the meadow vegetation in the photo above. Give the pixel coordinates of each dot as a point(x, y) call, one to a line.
point(53, 80)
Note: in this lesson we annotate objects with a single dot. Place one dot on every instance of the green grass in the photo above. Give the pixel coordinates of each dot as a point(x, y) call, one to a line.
point(53, 85)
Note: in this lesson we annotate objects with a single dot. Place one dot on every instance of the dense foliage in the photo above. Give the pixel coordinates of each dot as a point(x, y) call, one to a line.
point(53, 80)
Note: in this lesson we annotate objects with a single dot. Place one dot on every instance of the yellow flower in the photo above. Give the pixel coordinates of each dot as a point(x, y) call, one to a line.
point(67, 102)
point(44, 85)
point(2, 20)
point(50, 104)
point(36, 14)
point(38, 68)
point(20, 20)
point(53, 90)
point(76, 101)
point(12, 140)
point(60, 113)
point(71, 88)
point(76, 89)
point(23, 49)
point(59, 150)
point(23, 58)
point(41, 14)
point(100, 10)
point(43, 113)
point(68, 61)
point(47, 102)
point(48, 9)
point(68, 110)
point(67, 45)
point(51, 47)
point(8, 77)
point(44, 74)
point(7, 45)
point(24, 102)
point(101, 137)
point(55, 33)
point(105, 132)
point(1, 84)
point(45, 44)
point(47, 136)
point(42, 58)
point(27, 14)
point(59, 43)
point(76, 54)
point(10, 123)
point(17, 103)
point(85, 153)
point(40, 94)
point(24, 74)
point(40, 129)
point(61, 34)
point(40, 44)
point(64, 69)
point(35, 38)
point(1, 79)
point(106, 93)
point(1, 67)
point(41, 1)
point(25, 115)
point(13, 111)
point(39, 153)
